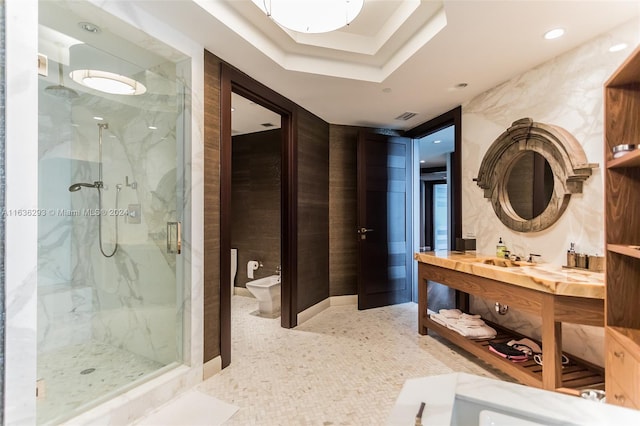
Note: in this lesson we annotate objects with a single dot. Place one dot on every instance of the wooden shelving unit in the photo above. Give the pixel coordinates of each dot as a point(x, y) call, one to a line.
point(578, 374)
point(553, 310)
point(622, 233)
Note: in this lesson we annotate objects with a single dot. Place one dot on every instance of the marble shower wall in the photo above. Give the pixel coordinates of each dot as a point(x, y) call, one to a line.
point(566, 91)
point(129, 300)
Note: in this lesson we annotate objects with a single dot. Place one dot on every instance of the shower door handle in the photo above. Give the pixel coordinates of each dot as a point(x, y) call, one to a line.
point(174, 237)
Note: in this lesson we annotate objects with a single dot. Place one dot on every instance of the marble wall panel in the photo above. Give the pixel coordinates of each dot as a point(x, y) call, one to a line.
point(21, 232)
point(566, 91)
point(76, 298)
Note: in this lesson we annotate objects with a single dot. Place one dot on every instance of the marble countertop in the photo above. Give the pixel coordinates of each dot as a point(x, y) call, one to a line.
point(456, 399)
point(543, 277)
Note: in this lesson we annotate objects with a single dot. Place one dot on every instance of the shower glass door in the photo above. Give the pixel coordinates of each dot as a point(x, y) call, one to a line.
point(110, 181)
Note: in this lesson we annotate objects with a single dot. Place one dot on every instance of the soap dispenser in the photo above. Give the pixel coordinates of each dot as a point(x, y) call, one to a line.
point(500, 248)
point(571, 256)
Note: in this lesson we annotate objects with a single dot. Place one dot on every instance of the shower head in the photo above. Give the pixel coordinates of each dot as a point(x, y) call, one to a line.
point(78, 186)
point(60, 90)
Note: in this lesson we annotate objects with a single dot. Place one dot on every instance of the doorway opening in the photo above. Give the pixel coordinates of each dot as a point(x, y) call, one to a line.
point(437, 211)
point(434, 152)
point(235, 83)
point(256, 166)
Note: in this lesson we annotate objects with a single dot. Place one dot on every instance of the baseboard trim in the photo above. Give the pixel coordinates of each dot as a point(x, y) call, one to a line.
point(314, 310)
point(211, 368)
point(350, 299)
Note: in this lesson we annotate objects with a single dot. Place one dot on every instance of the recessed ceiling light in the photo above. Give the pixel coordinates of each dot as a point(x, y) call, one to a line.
point(555, 33)
point(89, 27)
point(438, 141)
point(153, 128)
point(95, 117)
point(422, 161)
point(618, 47)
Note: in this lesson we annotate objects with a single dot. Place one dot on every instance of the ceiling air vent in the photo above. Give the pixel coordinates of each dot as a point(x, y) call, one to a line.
point(268, 125)
point(406, 116)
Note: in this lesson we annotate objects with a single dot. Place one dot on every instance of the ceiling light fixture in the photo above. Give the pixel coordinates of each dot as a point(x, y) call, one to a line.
point(95, 117)
point(89, 27)
point(438, 141)
point(553, 34)
point(100, 70)
point(618, 47)
point(311, 16)
point(153, 128)
point(108, 82)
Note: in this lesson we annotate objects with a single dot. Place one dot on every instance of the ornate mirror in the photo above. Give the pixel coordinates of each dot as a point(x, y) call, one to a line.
point(530, 172)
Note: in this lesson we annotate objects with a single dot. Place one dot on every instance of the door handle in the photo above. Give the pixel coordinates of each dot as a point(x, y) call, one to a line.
point(364, 230)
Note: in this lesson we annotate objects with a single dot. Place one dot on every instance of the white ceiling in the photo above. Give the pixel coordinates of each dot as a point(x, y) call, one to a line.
point(249, 117)
point(397, 56)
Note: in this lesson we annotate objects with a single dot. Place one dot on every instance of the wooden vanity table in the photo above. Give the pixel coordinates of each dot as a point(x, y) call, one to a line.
point(554, 294)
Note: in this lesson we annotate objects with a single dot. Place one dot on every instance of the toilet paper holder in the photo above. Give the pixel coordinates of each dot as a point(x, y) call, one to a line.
point(253, 265)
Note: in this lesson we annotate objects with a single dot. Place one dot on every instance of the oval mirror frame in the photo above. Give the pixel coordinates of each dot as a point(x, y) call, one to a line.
point(558, 147)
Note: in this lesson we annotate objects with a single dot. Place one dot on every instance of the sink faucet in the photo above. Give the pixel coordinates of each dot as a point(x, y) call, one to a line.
point(531, 256)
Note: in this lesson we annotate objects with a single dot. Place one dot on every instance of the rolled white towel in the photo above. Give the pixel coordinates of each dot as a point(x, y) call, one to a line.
point(451, 313)
point(440, 319)
point(482, 332)
point(470, 322)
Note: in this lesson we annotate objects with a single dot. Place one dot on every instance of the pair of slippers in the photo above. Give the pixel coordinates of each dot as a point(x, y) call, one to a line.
point(538, 359)
point(531, 348)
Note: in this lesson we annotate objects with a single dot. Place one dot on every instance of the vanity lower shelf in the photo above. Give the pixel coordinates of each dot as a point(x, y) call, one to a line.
point(578, 374)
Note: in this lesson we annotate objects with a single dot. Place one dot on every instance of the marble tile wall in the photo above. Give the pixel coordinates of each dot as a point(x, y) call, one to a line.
point(21, 238)
point(128, 300)
point(566, 91)
point(2, 201)
point(21, 232)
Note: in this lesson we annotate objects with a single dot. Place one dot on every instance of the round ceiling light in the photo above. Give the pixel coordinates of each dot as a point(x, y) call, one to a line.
point(311, 16)
point(108, 82)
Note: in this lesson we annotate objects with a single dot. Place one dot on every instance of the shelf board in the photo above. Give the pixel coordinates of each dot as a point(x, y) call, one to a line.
point(578, 374)
point(626, 250)
point(631, 159)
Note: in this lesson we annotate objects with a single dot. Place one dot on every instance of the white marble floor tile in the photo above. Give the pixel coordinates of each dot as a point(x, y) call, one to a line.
point(342, 367)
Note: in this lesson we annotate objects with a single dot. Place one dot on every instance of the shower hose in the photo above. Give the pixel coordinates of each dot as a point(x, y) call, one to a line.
point(115, 249)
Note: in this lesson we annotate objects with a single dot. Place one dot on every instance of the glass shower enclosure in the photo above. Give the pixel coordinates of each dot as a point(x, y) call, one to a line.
point(111, 120)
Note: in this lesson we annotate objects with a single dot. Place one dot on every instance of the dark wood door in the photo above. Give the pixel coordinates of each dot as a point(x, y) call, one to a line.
point(384, 220)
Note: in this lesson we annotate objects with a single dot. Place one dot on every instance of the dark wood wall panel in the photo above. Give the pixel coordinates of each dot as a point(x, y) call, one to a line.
point(313, 210)
point(212, 207)
point(343, 246)
point(255, 202)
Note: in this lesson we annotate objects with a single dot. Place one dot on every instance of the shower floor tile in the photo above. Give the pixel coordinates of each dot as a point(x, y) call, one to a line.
point(82, 374)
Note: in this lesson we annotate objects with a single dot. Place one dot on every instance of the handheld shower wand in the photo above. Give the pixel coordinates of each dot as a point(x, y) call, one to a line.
point(99, 185)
